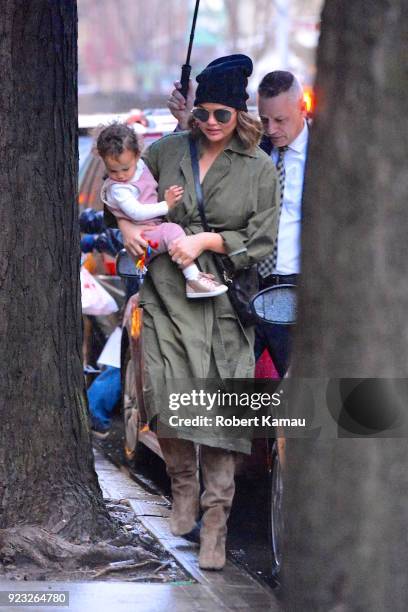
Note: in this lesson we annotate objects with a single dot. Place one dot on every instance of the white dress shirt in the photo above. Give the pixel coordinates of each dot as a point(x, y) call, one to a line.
point(288, 261)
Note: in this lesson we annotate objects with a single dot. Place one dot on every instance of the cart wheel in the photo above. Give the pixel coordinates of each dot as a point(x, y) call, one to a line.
point(276, 511)
point(133, 448)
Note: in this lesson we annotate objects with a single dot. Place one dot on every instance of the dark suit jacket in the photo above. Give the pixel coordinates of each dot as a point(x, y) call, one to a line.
point(266, 145)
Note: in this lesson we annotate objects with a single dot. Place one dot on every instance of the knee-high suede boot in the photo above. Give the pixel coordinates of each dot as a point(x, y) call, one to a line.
point(218, 469)
point(181, 465)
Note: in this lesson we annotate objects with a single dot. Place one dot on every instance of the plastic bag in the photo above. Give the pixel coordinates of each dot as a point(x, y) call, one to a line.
point(95, 299)
point(110, 355)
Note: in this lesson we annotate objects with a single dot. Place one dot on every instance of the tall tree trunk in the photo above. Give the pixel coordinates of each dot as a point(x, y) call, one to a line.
point(346, 500)
point(47, 475)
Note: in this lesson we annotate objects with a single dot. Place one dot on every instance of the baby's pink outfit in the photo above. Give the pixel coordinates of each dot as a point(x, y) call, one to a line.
point(136, 201)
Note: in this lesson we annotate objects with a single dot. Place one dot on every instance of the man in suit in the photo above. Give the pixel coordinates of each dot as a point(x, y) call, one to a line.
point(282, 111)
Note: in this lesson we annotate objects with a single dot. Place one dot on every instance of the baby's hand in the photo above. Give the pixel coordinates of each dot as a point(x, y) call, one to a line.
point(173, 195)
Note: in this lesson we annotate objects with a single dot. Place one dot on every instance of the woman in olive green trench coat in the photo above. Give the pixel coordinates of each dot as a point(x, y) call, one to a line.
point(183, 336)
point(185, 340)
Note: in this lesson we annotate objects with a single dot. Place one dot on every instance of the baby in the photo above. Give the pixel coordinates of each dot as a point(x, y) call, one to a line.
point(130, 192)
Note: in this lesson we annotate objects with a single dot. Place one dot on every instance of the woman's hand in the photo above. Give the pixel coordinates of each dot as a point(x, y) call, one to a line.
point(133, 236)
point(185, 249)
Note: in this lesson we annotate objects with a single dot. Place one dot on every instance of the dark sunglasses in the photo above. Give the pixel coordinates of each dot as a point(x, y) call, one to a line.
point(221, 115)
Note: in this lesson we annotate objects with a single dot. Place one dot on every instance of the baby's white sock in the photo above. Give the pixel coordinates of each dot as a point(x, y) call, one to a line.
point(191, 272)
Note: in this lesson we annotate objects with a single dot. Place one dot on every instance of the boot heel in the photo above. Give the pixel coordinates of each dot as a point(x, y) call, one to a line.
point(212, 549)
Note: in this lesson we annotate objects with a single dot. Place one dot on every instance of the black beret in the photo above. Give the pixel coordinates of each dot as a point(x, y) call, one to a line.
point(224, 81)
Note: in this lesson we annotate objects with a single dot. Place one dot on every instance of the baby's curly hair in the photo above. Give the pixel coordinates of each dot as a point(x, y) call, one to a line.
point(115, 139)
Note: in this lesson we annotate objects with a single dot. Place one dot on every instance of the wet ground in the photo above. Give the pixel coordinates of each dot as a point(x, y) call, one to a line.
point(232, 590)
point(248, 540)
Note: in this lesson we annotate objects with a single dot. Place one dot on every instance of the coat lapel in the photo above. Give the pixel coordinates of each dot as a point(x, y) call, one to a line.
point(219, 169)
point(215, 175)
point(222, 166)
point(189, 192)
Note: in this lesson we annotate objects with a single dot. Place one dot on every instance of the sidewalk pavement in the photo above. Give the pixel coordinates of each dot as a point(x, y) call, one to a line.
point(229, 590)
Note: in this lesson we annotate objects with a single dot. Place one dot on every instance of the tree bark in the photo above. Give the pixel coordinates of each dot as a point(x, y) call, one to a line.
point(345, 503)
point(355, 222)
point(47, 473)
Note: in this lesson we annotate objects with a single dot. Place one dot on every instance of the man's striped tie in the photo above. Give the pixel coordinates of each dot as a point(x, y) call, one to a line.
point(268, 265)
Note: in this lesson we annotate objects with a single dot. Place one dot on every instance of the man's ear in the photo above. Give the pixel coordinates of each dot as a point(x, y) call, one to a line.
point(303, 107)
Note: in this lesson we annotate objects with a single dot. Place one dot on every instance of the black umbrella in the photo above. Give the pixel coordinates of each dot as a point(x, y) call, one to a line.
point(186, 68)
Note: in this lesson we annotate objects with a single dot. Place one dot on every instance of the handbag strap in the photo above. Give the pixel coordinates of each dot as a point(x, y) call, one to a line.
point(197, 184)
point(200, 205)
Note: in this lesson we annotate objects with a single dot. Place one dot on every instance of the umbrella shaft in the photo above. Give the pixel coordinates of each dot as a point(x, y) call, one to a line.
point(192, 31)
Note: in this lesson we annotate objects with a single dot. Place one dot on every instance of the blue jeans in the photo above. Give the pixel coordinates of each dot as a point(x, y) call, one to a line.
point(103, 395)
